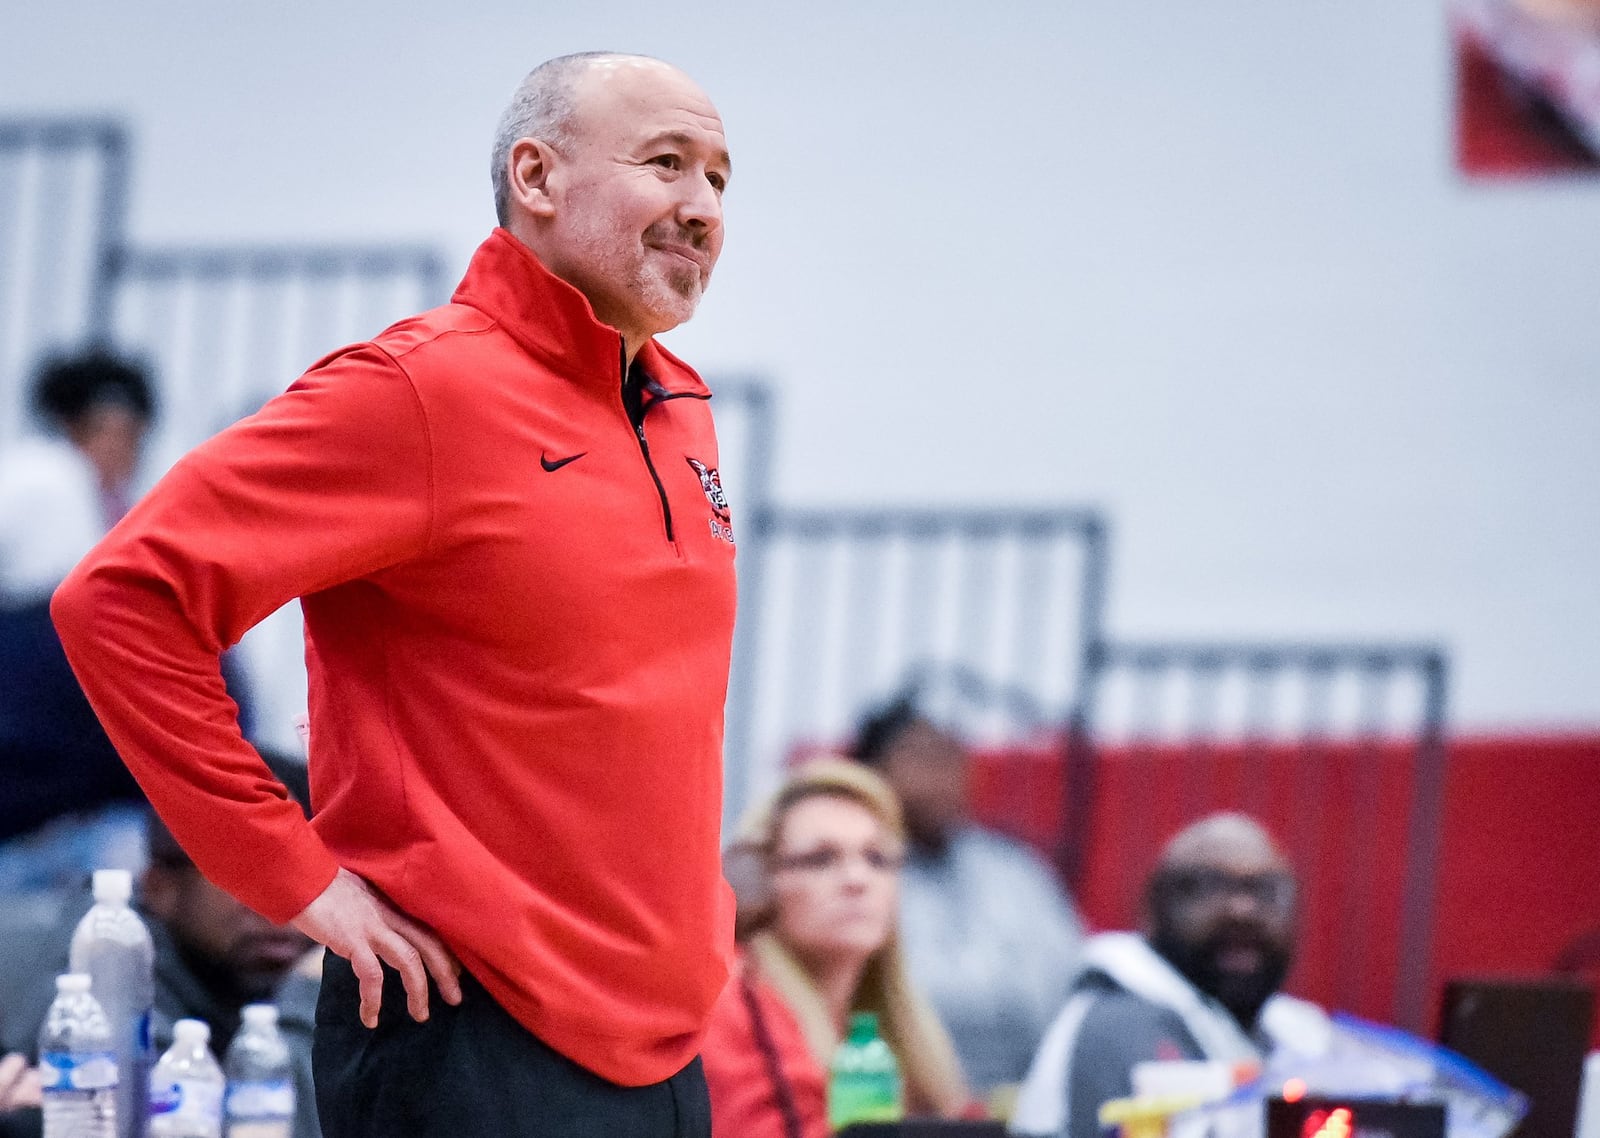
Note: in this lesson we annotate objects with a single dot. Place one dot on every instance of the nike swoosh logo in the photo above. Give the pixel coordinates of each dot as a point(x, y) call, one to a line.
point(546, 462)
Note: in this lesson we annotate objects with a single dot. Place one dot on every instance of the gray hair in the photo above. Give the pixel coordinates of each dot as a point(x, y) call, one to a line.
point(543, 108)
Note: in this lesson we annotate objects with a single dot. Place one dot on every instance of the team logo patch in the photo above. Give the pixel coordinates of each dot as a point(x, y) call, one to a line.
point(711, 484)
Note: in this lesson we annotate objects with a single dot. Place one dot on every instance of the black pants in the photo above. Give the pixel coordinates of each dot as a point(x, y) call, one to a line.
point(471, 1071)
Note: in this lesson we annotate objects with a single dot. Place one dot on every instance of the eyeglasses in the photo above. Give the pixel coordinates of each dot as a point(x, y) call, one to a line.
point(1210, 887)
point(832, 859)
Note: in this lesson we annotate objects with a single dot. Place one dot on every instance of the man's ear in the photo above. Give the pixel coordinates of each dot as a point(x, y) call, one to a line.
point(530, 165)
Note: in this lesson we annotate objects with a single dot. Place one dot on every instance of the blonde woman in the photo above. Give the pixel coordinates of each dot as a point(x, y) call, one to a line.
point(817, 870)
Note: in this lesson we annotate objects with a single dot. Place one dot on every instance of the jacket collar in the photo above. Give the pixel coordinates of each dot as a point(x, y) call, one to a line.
point(553, 322)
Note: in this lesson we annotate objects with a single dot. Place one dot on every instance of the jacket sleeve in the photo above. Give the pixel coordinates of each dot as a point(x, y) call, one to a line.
point(329, 482)
point(1119, 1031)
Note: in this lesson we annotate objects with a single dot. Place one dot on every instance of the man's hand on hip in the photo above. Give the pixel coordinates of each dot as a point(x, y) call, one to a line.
point(356, 921)
point(19, 1083)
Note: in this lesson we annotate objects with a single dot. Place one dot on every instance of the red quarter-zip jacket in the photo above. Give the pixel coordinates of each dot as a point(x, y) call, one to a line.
point(519, 611)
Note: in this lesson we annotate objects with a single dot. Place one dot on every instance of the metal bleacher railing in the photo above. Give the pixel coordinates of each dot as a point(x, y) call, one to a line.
point(226, 327)
point(989, 613)
point(223, 328)
point(1341, 744)
point(1001, 611)
point(842, 608)
point(63, 205)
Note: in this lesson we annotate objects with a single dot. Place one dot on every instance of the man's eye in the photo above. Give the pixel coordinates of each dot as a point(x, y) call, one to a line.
point(666, 161)
point(718, 182)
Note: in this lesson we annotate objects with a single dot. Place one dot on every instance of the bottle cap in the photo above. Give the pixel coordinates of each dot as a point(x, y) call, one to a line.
point(113, 886)
point(191, 1031)
point(72, 982)
point(260, 1015)
point(863, 1027)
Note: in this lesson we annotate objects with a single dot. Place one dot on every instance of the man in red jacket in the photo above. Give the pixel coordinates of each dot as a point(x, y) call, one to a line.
point(506, 525)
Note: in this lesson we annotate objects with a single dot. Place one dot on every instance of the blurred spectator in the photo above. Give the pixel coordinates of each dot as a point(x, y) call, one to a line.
point(815, 872)
point(59, 493)
point(67, 803)
point(989, 933)
point(1200, 983)
point(213, 956)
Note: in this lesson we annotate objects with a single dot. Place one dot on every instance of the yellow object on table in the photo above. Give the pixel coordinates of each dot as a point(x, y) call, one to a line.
point(1145, 1117)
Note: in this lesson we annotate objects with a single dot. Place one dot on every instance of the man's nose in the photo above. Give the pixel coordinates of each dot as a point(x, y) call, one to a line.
point(701, 208)
point(1244, 904)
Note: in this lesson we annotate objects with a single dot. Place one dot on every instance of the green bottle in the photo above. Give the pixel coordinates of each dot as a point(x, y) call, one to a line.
point(863, 1079)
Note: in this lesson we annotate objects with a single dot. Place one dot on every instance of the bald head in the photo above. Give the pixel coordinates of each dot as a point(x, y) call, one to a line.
point(1224, 840)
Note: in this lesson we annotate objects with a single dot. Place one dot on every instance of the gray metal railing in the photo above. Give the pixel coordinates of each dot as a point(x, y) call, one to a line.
point(841, 608)
point(1370, 703)
point(223, 328)
point(226, 328)
point(63, 208)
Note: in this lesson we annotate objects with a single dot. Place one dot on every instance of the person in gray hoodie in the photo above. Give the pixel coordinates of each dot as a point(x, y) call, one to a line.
point(1201, 981)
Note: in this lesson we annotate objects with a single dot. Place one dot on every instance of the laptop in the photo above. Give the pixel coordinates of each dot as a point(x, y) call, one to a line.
point(1531, 1034)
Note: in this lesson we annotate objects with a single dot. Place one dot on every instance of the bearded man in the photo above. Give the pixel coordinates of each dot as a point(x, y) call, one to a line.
point(504, 521)
point(1200, 983)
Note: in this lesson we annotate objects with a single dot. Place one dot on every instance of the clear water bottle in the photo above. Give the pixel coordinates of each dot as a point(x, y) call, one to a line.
point(113, 947)
point(186, 1086)
point(260, 1099)
point(863, 1078)
point(77, 1066)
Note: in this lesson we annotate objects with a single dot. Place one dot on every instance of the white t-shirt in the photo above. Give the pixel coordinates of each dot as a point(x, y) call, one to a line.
point(50, 516)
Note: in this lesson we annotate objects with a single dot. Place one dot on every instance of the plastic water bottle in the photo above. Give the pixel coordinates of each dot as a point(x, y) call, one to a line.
point(77, 1065)
point(113, 947)
point(260, 1099)
point(186, 1086)
point(864, 1079)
